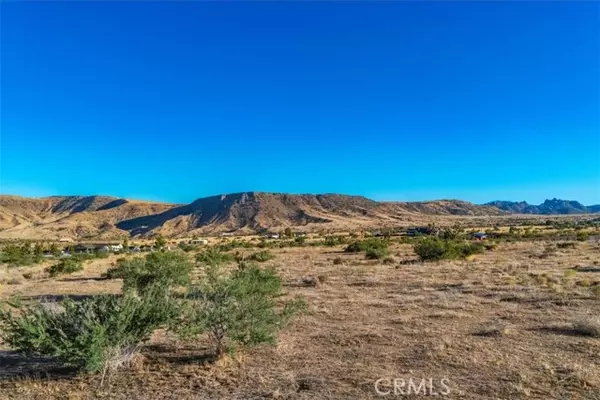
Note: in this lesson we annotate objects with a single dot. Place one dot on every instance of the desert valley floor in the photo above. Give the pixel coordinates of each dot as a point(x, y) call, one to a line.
point(505, 324)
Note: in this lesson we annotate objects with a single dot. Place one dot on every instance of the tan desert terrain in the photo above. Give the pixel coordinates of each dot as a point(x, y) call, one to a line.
point(505, 324)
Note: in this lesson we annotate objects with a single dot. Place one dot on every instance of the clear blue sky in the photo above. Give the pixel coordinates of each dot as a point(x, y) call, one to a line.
point(395, 101)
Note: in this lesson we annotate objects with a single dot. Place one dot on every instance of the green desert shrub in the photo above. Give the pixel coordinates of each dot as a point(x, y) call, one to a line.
point(566, 245)
point(354, 247)
point(261, 256)
point(432, 249)
point(582, 236)
point(299, 241)
point(165, 268)
point(187, 247)
point(234, 309)
point(376, 253)
point(98, 334)
point(374, 248)
point(234, 244)
point(21, 255)
point(65, 266)
point(489, 245)
point(334, 240)
point(214, 256)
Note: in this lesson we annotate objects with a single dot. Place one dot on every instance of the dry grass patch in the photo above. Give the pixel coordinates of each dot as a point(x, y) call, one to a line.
point(588, 326)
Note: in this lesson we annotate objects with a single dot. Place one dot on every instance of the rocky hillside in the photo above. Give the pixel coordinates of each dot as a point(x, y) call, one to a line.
point(548, 207)
point(256, 212)
point(95, 217)
point(70, 216)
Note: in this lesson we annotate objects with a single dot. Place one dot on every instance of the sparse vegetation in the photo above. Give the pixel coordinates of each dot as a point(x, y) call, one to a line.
point(355, 304)
point(364, 245)
point(65, 266)
point(237, 308)
point(582, 236)
point(334, 240)
point(213, 256)
point(25, 254)
point(566, 245)
point(433, 249)
point(376, 253)
point(99, 334)
point(165, 269)
point(261, 256)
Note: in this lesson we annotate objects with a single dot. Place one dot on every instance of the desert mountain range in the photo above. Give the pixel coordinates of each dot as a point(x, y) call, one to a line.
point(104, 217)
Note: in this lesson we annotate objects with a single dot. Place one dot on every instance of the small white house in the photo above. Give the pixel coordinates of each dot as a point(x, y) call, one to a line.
point(117, 247)
point(199, 241)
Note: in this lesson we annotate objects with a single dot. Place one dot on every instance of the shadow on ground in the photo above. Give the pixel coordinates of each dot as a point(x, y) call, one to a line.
point(557, 330)
point(15, 366)
point(83, 279)
point(57, 298)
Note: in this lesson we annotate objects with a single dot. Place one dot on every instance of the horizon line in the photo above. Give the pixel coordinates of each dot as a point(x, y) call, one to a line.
point(141, 199)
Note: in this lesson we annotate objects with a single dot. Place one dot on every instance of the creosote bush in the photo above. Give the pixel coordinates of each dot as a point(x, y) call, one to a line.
point(334, 240)
point(261, 256)
point(65, 266)
point(432, 249)
point(25, 254)
point(582, 236)
point(376, 253)
point(238, 308)
point(213, 256)
point(98, 334)
point(364, 245)
point(166, 268)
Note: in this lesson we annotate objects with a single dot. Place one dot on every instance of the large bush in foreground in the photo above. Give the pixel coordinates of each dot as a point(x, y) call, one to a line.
point(97, 334)
point(236, 308)
point(432, 249)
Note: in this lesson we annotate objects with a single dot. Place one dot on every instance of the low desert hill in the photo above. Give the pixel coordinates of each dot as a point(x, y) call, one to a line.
point(70, 216)
point(103, 217)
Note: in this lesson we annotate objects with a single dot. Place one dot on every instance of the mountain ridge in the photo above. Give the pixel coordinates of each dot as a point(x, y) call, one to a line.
point(97, 217)
point(548, 207)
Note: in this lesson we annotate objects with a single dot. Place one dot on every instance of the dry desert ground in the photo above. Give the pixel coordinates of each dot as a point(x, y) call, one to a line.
point(511, 323)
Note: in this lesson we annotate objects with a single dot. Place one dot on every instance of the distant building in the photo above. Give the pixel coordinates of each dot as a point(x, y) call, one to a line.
point(480, 235)
point(65, 240)
point(116, 247)
point(199, 241)
point(84, 248)
point(422, 230)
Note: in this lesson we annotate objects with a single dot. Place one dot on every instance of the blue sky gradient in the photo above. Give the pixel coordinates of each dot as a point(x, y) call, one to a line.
point(394, 101)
